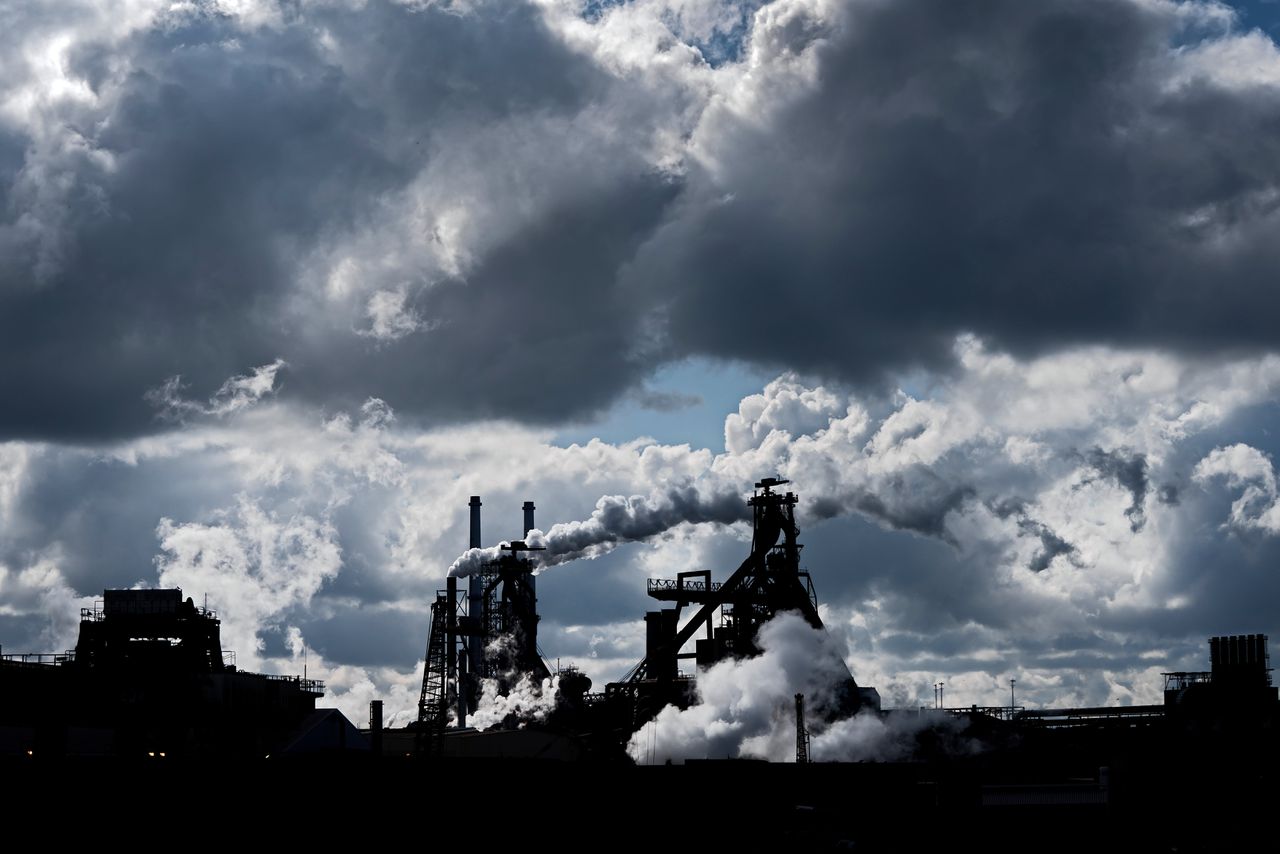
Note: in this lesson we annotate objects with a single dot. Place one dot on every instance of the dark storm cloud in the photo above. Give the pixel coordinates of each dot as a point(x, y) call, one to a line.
point(916, 501)
point(1051, 544)
point(239, 151)
point(537, 331)
point(1026, 171)
point(665, 401)
point(178, 268)
point(1129, 471)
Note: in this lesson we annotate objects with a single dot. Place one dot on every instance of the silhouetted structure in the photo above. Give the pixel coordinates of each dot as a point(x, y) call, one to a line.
point(1238, 682)
point(493, 635)
point(499, 618)
point(148, 676)
point(767, 583)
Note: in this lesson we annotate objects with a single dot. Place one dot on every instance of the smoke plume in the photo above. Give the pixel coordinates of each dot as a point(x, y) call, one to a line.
point(619, 519)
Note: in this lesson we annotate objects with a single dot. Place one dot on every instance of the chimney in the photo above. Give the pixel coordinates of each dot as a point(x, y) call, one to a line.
point(476, 542)
point(375, 726)
point(529, 526)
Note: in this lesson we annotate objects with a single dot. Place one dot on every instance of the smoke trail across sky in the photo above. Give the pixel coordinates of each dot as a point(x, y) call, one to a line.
point(619, 519)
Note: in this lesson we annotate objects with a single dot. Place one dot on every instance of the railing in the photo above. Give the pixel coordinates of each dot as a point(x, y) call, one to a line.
point(670, 585)
point(1002, 713)
point(311, 686)
point(1057, 718)
point(1097, 712)
point(98, 613)
point(1180, 680)
point(40, 657)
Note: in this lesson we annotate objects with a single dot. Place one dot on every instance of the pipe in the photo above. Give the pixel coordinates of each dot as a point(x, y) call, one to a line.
point(475, 505)
point(475, 597)
point(375, 726)
point(529, 526)
point(451, 647)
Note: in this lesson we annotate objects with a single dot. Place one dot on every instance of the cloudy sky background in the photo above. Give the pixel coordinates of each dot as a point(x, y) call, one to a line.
point(283, 283)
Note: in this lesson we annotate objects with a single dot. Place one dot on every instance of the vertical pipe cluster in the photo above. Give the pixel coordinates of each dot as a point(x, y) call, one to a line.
point(1239, 659)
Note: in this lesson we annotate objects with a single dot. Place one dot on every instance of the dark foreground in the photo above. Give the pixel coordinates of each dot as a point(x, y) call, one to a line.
point(1174, 802)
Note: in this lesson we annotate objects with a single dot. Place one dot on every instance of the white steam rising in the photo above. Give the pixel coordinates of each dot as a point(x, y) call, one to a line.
point(869, 737)
point(529, 700)
point(746, 707)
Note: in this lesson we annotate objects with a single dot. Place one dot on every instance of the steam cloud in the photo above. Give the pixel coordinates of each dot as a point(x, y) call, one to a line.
point(744, 708)
point(525, 699)
point(528, 700)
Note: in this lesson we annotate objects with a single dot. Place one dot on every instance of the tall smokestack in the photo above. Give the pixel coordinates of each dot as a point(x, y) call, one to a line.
point(476, 542)
point(475, 595)
point(375, 726)
point(529, 526)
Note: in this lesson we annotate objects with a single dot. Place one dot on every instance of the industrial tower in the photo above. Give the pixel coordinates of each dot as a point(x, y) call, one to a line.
point(492, 633)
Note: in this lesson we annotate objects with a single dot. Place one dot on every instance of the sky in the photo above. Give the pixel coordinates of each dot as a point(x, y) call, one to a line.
point(284, 282)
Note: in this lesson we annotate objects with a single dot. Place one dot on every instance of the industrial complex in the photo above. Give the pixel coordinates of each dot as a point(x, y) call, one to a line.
point(148, 680)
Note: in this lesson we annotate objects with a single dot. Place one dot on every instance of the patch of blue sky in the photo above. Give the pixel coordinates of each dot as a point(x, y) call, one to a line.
point(723, 44)
point(684, 402)
point(1261, 14)
point(1248, 15)
point(594, 10)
